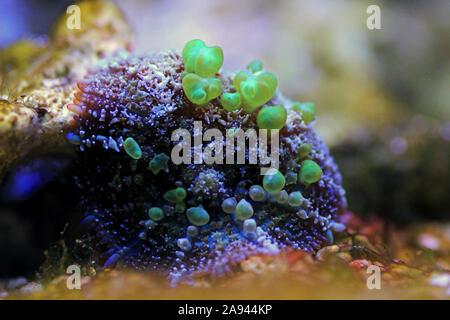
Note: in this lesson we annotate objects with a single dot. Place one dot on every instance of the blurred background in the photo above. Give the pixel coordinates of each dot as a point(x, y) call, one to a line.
point(382, 95)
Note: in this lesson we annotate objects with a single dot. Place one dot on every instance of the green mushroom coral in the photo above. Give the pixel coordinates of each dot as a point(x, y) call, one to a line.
point(202, 60)
point(271, 117)
point(310, 172)
point(201, 90)
point(255, 89)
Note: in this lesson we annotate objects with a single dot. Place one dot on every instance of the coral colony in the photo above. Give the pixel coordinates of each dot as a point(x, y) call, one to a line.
point(214, 152)
point(147, 209)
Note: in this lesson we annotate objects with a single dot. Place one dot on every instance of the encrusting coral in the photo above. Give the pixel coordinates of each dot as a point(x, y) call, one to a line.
point(147, 212)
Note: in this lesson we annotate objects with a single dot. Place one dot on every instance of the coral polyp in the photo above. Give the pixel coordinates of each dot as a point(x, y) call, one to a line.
point(231, 101)
point(201, 90)
point(148, 212)
point(310, 172)
point(132, 148)
point(201, 59)
point(271, 117)
point(274, 181)
point(255, 90)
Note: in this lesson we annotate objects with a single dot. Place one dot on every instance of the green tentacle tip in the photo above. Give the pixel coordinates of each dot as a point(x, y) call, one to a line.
point(310, 172)
point(257, 193)
point(231, 101)
point(175, 195)
point(132, 148)
point(273, 181)
point(201, 59)
point(244, 210)
point(255, 89)
point(282, 197)
point(201, 90)
point(307, 109)
point(158, 163)
point(295, 199)
point(197, 216)
point(229, 205)
point(271, 117)
point(255, 66)
point(156, 214)
point(304, 150)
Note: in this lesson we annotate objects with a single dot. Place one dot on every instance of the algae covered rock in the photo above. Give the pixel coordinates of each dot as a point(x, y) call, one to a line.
point(38, 79)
